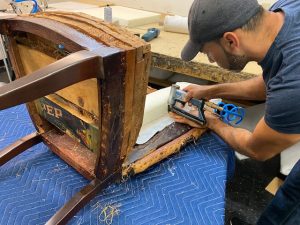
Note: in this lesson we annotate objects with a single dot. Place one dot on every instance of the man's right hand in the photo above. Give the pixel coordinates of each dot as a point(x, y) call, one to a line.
point(198, 92)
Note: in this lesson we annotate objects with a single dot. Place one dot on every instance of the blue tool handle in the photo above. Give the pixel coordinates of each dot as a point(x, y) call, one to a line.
point(35, 8)
point(231, 114)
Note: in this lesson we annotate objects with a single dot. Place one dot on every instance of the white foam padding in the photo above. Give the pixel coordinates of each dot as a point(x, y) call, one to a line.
point(288, 158)
point(176, 24)
point(124, 16)
point(156, 116)
point(70, 6)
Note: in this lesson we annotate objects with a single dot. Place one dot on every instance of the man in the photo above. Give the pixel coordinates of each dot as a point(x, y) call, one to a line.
point(233, 33)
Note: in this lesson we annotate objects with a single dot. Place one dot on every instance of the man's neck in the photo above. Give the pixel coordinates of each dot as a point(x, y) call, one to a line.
point(262, 39)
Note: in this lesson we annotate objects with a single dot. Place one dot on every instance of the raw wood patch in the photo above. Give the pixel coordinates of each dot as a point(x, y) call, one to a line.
point(274, 185)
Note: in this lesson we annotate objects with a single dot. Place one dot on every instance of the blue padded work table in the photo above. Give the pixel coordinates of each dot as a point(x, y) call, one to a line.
point(187, 188)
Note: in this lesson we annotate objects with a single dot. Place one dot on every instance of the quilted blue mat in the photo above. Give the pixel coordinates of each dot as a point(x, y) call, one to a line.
point(188, 188)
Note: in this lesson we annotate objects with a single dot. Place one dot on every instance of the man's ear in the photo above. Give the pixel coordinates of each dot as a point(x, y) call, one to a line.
point(231, 42)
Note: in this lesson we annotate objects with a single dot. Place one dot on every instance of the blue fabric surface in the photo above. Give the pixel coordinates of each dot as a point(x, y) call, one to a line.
point(188, 188)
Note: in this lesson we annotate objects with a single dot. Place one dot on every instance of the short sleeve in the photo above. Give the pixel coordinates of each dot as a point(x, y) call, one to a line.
point(283, 106)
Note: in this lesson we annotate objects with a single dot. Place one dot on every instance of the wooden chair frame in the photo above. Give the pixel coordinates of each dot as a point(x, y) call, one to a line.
point(86, 59)
point(89, 60)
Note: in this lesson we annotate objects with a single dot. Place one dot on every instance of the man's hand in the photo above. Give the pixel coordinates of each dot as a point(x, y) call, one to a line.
point(197, 91)
point(262, 144)
point(181, 119)
point(210, 118)
point(252, 89)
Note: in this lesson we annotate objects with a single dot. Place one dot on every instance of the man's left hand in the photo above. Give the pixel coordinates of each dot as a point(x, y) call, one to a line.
point(210, 117)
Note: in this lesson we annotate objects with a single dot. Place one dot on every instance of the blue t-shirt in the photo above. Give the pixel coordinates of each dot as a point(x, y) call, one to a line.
point(281, 72)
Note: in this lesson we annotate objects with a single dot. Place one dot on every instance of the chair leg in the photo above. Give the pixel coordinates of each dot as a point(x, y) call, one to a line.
point(79, 200)
point(18, 147)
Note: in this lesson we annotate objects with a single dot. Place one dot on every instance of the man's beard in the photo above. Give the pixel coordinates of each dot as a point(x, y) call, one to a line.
point(236, 63)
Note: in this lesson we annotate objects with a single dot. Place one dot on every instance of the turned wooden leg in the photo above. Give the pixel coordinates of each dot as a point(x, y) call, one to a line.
point(18, 147)
point(79, 200)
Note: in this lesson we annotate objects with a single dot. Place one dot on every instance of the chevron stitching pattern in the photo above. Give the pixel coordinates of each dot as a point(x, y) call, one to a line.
point(187, 188)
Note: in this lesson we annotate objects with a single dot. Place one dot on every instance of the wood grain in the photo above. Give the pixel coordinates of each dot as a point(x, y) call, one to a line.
point(162, 152)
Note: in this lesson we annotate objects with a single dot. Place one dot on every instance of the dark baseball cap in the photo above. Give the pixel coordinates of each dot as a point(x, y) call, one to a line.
point(210, 19)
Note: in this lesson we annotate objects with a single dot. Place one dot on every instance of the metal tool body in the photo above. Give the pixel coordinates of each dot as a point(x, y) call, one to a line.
point(178, 96)
point(229, 113)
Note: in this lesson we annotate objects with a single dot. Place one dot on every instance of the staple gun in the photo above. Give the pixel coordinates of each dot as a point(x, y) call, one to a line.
point(229, 113)
point(36, 7)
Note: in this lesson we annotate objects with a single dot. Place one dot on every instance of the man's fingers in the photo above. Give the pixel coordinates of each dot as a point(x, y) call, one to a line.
point(181, 119)
point(175, 116)
point(189, 122)
point(187, 97)
point(180, 105)
point(186, 89)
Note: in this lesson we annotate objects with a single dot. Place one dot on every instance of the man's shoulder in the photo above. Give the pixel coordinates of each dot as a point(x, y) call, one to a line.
point(282, 79)
point(288, 4)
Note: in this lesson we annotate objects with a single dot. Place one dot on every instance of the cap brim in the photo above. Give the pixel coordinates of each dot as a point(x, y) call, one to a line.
point(190, 50)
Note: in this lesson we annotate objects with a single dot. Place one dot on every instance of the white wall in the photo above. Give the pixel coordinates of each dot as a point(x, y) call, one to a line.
point(178, 7)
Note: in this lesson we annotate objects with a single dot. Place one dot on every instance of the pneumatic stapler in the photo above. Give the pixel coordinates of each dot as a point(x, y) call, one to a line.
point(229, 113)
point(176, 103)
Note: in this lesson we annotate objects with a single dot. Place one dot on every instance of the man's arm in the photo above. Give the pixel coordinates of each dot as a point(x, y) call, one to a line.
point(252, 89)
point(262, 144)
